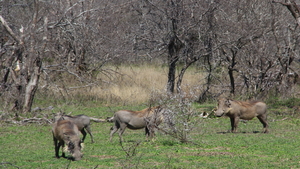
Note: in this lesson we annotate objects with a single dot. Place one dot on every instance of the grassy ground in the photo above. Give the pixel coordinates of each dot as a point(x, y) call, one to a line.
point(31, 146)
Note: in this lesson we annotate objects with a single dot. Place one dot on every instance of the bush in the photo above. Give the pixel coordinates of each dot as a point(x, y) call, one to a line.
point(290, 102)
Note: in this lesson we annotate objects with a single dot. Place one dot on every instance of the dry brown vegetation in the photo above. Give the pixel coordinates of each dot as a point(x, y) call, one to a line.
point(130, 85)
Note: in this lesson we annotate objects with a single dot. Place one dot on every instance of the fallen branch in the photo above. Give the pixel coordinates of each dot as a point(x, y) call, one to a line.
point(4, 163)
point(36, 120)
point(30, 120)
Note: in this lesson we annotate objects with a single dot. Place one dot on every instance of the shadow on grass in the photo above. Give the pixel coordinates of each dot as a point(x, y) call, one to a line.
point(169, 143)
point(134, 141)
point(228, 132)
point(67, 157)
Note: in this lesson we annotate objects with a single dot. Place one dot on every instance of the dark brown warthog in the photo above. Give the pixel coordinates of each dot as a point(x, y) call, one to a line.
point(83, 123)
point(237, 110)
point(66, 132)
point(137, 120)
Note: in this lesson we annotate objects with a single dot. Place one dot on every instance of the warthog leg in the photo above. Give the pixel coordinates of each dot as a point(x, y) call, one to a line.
point(147, 132)
point(88, 129)
point(121, 131)
point(112, 131)
point(63, 148)
point(263, 120)
point(84, 135)
point(234, 123)
point(56, 146)
point(121, 127)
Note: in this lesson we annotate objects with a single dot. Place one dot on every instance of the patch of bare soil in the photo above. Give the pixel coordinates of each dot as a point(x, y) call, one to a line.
point(214, 154)
point(102, 156)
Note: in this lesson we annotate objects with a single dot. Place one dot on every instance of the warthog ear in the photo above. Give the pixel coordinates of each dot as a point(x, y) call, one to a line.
point(61, 118)
point(227, 102)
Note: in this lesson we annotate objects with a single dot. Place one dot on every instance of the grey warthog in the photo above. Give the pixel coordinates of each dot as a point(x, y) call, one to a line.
point(237, 110)
point(83, 123)
point(66, 133)
point(147, 118)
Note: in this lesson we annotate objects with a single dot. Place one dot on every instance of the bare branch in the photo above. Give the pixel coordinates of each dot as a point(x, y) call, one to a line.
point(9, 30)
point(293, 8)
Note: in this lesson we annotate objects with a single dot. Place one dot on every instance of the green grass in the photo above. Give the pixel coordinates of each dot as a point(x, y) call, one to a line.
point(31, 146)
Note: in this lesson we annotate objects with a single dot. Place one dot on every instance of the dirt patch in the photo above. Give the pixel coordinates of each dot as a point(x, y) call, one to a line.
point(102, 156)
point(214, 154)
point(211, 153)
point(218, 148)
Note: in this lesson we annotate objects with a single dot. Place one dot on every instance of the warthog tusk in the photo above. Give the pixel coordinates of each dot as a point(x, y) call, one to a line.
point(228, 110)
point(65, 149)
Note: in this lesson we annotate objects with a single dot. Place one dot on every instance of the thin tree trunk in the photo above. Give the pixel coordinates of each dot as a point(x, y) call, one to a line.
point(173, 50)
point(208, 43)
point(171, 74)
point(32, 85)
point(230, 71)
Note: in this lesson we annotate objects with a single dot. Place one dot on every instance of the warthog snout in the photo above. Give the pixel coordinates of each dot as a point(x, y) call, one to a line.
point(219, 113)
point(75, 149)
point(77, 156)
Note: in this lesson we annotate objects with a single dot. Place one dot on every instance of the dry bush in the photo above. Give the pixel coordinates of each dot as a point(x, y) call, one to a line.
point(180, 117)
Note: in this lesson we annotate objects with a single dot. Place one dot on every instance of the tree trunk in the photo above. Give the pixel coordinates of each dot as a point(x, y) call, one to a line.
point(230, 71)
point(208, 42)
point(24, 80)
point(174, 47)
point(32, 85)
point(171, 74)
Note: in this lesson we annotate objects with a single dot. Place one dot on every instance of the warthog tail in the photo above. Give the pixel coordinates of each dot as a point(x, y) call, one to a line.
point(97, 120)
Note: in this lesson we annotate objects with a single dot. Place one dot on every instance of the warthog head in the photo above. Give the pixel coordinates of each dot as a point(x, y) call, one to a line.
point(74, 148)
point(223, 107)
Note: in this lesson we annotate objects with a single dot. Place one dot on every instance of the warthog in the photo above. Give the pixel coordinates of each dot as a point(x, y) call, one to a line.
point(147, 118)
point(83, 123)
point(237, 110)
point(66, 132)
